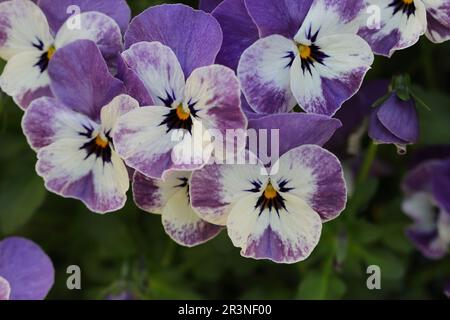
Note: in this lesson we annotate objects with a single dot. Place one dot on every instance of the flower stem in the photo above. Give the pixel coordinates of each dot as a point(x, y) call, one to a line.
point(367, 164)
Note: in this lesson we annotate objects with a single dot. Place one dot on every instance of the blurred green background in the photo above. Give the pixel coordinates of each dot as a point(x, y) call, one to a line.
point(129, 250)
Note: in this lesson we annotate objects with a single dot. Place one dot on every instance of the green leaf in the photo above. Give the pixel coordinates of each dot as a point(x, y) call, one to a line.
point(20, 197)
point(392, 267)
point(364, 192)
point(320, 285)
point(434, 128)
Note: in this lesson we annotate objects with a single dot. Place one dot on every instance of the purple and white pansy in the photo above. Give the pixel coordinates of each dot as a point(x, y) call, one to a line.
point(400, 23)
point(427, 203)
point(187, 97)
point(309, 55)
point(274, 214)
point(29, 38)
point(170, 198)
point(26, 272)
point(72, 132)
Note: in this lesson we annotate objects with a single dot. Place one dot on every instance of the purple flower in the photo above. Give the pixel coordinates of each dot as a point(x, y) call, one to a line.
point(30, 35)
point(402, 22)
point(275, 214)
point(395, 121)
point(167, 66)
point(26, 272)
point(170, 199)
point(427, 203)
point(308, 54)
point(72, 133)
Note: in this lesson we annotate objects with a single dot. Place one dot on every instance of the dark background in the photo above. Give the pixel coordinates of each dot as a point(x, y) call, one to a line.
point(129, 251)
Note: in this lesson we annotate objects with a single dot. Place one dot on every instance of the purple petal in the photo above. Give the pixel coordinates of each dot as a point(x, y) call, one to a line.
point(296, 129)
point(427, 242)
point(134, 86)
point(57, 11)
point(396, 30)
point(97, 27)
point(27, 268)
point(400, 118)
point(214, 189)
point(283, 17)
point(80, 78)
point(170, 198)
point(438, 20)
point(239, 31)
point(29, 96)
point(209, 5)
point(264, 71)
point(183, 225)
point(48, 120)
point(194, 36)
point(420, 177)
point(441, 185)
point(437, 31)
point(314, 175)
point(70, 171)
point(380, 134)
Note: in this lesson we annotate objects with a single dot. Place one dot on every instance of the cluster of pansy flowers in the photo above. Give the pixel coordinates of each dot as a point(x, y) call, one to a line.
point(103, 97)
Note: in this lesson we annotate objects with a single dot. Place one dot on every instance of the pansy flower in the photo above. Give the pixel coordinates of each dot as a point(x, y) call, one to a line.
point(275, 214)
point(72, 132)
point(26, 272)
point(395, 121)
point(29, 37)
point(187, 95)
point(309, 55)
point(170, 198)
point(401, 23)
point(427, 203)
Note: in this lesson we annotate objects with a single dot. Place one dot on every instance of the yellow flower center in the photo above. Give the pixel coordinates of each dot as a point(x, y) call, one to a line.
point(99, 141)
point(305, 51)
point(408, 1)
point(270, 192)
point(51, 51)
point(182, 114)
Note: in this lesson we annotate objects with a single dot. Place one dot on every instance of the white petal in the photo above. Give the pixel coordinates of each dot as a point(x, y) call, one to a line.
point(326, 18)
point(287, 237)
point(116, 108)
point(21, 75)
point(22, 24)
point(95, 26)
point(264, 72)
point(5, 289)
point(158, 68)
